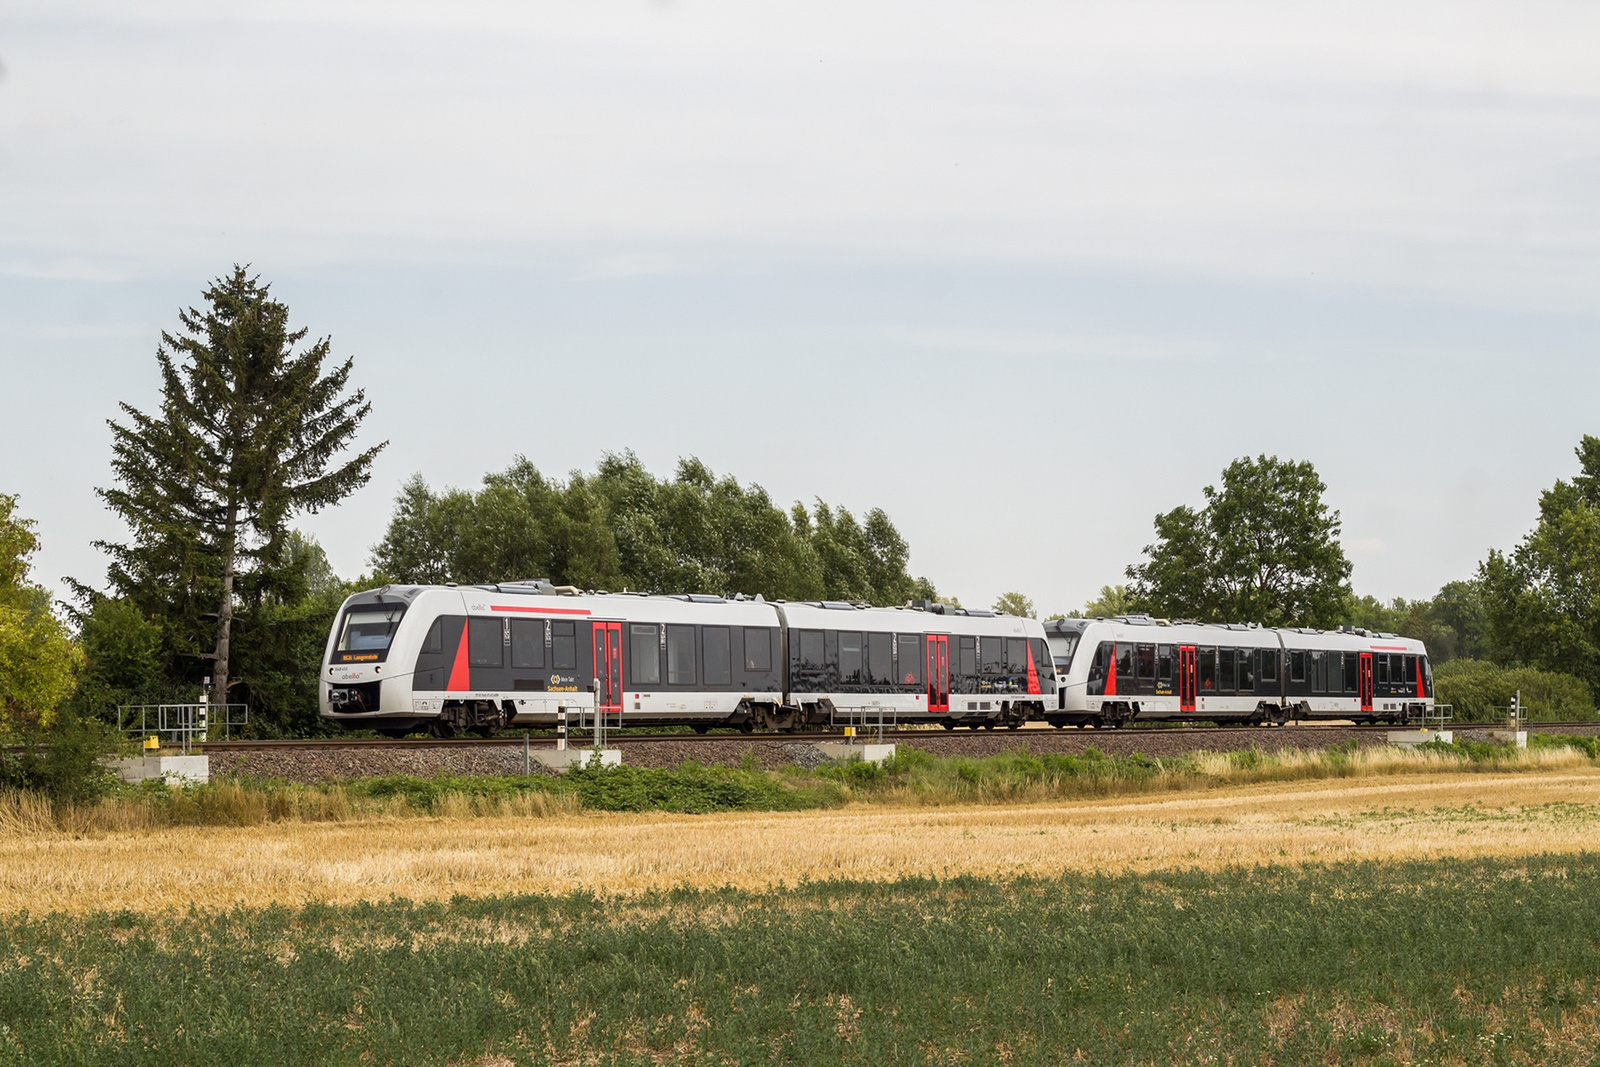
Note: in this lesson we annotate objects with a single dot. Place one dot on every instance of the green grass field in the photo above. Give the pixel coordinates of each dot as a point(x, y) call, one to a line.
point(1449, 962)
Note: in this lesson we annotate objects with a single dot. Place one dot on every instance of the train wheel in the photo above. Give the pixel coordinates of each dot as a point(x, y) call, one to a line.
point(948, 725)
point(442, 728)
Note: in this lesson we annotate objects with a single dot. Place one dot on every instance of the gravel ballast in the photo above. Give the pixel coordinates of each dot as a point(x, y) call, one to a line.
point(312, 764)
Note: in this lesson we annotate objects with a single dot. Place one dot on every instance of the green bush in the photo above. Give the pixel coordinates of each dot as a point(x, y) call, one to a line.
point(1475, 689)
point(64, 761)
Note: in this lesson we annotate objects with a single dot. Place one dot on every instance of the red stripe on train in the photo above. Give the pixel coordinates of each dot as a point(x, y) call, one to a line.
point(539, 611)
point(460, 674)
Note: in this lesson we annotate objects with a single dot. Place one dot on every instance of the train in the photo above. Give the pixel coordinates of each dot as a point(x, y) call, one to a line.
point(458, 659)
point(1111, 672)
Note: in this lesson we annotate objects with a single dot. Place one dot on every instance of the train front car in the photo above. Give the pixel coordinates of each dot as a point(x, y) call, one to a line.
point(475, 659)
point(927, 663)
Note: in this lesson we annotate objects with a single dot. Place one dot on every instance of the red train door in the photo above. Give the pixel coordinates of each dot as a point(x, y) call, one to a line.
point(1186, 677)
point(1366, 681)
point(938, 672)
point(608, 666)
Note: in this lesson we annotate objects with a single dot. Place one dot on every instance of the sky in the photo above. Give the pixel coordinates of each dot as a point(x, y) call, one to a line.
point(1021, 274)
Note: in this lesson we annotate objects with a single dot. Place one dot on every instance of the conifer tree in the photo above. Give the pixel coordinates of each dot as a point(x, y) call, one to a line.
point(249, 433)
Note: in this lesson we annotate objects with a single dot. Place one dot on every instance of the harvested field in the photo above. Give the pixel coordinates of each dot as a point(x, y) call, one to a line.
point(1419, 816)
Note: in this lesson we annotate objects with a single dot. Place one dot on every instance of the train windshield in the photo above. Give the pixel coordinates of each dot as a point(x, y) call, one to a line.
point(369, 629)
point(1062, 646)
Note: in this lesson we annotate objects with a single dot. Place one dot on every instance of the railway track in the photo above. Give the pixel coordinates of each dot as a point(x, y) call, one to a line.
point(546, 740)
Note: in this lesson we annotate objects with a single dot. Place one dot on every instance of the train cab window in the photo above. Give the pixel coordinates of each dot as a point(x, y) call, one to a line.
point(1247, 672)
point(1016, 655)
point(1352, 667)
point(1427, 677)
point(1408, 674)
point(910, 659)
point(1144, 663)
point(1225, 673)
point(1164, 659)
point(564, 646)
point(880, 659)
point(1297, 666)
point(852, 666)
point(680, 655)
point(433, 644)
point(714, 648)
point(644, 654)
point(527, 643)
point(757, 650)
point(1269, 665)
point(967, 657)
point(369, 629)
point(991, 654)
point(1124, 663)
point(810, 651)
point(1207, 660)
point(486, 642)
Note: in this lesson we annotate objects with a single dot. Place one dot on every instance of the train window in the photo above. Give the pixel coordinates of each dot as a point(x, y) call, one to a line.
point(1352, 667)
point(991, 654)
point(1247, 670)
point(1408, 674)
point(1335, 671)
point(433, 644)
point(486, 642)
point(714, 650)
point(811, 649)
point(1319, 672)
point(1124, 663)
point(967, 657)
point(644, 654)
point(1164, 664)
point(1225, 673)
point(1269, 665)
point(1380, 664)
point(1297, 666)
point(369, 629)
point(851, 659)
point(757, 650)
point(1207, 658)
point(1016, 655)
point(680, 655)
point(563, 646)
point(910, 659)
point(1144, 663)
point(880, 659)
point(527, 643)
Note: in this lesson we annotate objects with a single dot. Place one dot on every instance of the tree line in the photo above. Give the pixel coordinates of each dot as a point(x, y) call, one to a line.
point(256, 426)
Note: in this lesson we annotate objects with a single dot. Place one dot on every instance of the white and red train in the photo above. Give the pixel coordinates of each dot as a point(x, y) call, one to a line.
point(1114, 671)
point(455, 659)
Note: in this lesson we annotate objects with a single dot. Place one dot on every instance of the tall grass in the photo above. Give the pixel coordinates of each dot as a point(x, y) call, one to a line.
point(912, 777)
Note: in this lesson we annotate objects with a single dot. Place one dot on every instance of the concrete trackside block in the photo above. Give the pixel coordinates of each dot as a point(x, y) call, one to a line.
point(865, 753)
point(1511, 737)
point(564, 759)
point(177, 770)
point(1413, 738)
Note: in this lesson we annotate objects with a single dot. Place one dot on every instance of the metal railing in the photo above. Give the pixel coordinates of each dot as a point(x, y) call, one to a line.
point(1438, 715)
point(183, 724)
point(865, 717)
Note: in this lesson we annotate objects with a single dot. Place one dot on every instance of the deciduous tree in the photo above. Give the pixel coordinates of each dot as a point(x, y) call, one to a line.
point(1264, 548)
